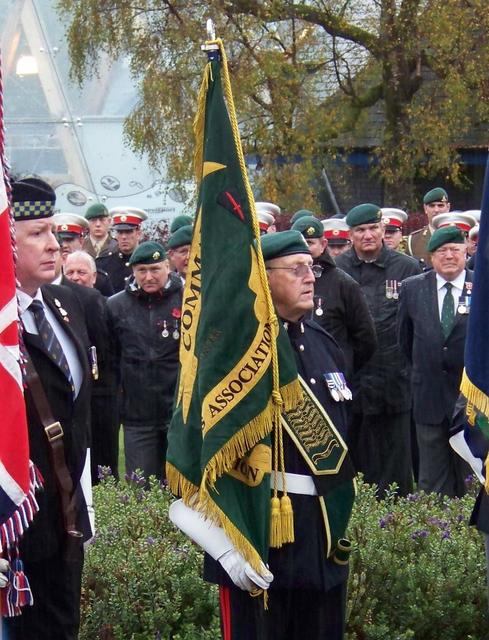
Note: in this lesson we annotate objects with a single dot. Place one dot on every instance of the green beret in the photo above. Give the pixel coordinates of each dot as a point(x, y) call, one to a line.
point(148, 253)
point(363, 214)
point(97, 210)
point(309, 226)
point(180, 221)
point(181, 237)
point(300, 214)
point(443, 236)
point(283, 243)
point(435, 195)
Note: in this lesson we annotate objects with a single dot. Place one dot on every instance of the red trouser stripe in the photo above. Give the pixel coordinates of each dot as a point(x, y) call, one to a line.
point(225, 604)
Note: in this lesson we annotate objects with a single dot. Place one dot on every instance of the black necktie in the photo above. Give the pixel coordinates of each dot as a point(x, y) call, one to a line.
point(447, 310)
point(49, 340)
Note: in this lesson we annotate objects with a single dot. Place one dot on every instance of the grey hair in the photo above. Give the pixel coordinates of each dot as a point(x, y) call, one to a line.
point(83, 255)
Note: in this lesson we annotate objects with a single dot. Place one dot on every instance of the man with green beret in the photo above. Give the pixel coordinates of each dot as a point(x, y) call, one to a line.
point(339, 304)
point(99, 242)
point(307, 578)
point(178, 247)
point(180, 221)
point(381, 422)
point(434, 202)
point(301, 213)
point(144, 323)
point(432, 322)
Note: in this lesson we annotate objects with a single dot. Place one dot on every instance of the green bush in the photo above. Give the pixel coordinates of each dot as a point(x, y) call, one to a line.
point(417, 570)
point(142, 577)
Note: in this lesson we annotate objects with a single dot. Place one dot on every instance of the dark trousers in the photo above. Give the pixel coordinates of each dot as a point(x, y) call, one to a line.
point(380, 446)
point(441, 470)
point(56, 587)
point(105, 434)
point(291, 615)
point(145, 449)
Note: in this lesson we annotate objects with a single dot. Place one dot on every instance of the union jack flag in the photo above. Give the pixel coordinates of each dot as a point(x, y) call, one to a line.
point(18, 477)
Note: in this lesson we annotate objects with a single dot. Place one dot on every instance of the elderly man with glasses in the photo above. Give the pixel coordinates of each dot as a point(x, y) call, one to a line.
point(306, 581)
point(433, 312)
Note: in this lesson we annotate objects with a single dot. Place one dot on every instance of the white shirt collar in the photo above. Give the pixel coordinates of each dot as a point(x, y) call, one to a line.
point(25, 299)
point(458, 283)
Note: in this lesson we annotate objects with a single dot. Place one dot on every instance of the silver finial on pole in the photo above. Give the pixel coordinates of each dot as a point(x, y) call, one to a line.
point(211, 31)
point(211, 35)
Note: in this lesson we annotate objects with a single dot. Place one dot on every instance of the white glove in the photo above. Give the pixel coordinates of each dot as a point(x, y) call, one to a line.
point(214, 541)
point(460, 446)
point(4, 567)
point(242, 573)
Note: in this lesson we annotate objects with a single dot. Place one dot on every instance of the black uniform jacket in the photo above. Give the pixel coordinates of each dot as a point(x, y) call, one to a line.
point(116, 265)
point(145, 333)
point(384, 382)
point(437, 363)
point(94, 306)
point(46, 533)
point(304, 563)
point(341, 309)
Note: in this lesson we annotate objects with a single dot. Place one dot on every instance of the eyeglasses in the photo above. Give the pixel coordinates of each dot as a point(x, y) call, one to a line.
point(301, 270)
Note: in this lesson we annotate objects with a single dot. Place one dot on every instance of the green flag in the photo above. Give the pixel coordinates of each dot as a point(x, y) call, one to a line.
point(237, 368)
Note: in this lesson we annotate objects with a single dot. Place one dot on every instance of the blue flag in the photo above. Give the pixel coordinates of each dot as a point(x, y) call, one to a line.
point(472, 439)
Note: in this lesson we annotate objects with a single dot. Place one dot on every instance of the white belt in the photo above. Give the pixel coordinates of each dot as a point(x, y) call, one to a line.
point(295, 483)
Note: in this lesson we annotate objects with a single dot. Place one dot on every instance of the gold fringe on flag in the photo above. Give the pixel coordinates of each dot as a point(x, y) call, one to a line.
point(179, 485)
point(477, 400)
point(199, 123)
point(250, 435)
point(474, 395)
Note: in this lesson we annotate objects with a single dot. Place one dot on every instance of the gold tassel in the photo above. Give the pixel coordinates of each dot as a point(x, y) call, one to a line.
point(275, 524)
point(286, 519)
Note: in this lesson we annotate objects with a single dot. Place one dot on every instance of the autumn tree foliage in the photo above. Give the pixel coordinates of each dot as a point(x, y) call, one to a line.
point(307, 76)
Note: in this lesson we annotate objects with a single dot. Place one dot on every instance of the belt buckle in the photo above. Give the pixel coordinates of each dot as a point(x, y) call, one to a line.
point(58, 431)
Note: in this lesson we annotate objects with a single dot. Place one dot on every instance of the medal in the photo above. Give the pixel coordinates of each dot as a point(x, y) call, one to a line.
point(92, 354)
point(175, 334)
point(165, 333)
point(395, 295)
point(319, 309)
point(338, 389)
point(388, 290)
point(464, 305)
